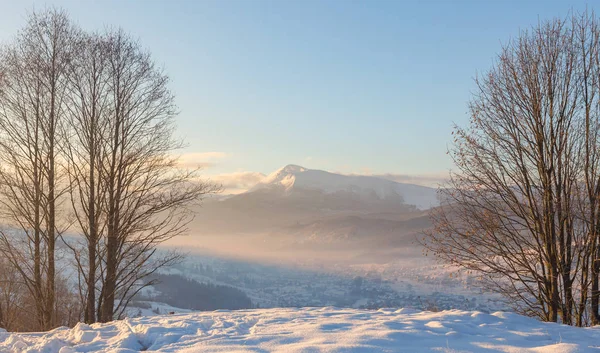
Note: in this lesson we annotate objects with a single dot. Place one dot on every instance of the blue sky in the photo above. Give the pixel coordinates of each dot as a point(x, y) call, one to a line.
point(367, 87)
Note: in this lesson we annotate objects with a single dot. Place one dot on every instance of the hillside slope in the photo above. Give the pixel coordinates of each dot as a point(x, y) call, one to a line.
point(313, 330)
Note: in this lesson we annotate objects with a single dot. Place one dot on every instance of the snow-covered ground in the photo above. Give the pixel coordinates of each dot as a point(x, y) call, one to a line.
point(314, 330)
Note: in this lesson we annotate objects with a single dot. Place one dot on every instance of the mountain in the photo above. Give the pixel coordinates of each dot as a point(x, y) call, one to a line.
point(364, 231)
point(296, 207)
point(295, 179)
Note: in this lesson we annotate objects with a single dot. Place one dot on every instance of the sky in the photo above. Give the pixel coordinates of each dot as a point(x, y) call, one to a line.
point(356, 87)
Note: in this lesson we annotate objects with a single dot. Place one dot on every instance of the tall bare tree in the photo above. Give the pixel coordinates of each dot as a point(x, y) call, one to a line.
point(88, 107)
point(32, 100)
point(522, 207)
point(146, 197)
point(87, 118)
point(587, 33)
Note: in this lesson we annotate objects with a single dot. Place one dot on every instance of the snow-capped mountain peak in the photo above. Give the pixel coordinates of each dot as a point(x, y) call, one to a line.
point(285, 176)
point(294, 178)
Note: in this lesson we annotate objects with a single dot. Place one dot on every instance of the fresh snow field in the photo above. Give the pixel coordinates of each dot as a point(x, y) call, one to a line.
point(314, 330)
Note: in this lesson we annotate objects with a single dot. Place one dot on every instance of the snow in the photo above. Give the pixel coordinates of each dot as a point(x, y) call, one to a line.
point(284, 175)
point(314, 330)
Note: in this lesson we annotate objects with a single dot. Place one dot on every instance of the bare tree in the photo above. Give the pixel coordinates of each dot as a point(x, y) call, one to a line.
point(522, 208)
point(87, 118)
point(87, 107)
point(146, 196)
point(31, 111)
point(12, 294)
point(587, 32)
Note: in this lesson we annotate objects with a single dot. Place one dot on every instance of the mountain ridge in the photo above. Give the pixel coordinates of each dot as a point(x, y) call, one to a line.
point(296, 205)
point(294, 178)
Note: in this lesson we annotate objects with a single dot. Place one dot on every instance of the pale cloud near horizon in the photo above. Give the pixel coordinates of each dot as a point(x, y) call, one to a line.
point(242, 181)
point(430, 180)
point(433, 180)
point(237, 182)
point(201, 159)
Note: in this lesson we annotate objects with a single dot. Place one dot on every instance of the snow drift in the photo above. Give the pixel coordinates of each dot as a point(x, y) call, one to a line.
point(313, 330)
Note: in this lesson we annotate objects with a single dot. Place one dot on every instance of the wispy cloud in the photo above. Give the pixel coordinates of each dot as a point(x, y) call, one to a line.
point(201, 159)
point(237, 182)
point(431, 180)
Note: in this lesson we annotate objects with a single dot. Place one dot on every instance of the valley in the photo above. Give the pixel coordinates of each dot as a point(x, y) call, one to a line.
point(311, 238)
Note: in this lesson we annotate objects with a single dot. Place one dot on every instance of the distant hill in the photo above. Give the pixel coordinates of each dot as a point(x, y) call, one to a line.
point(186, 293)
point(366, 231)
